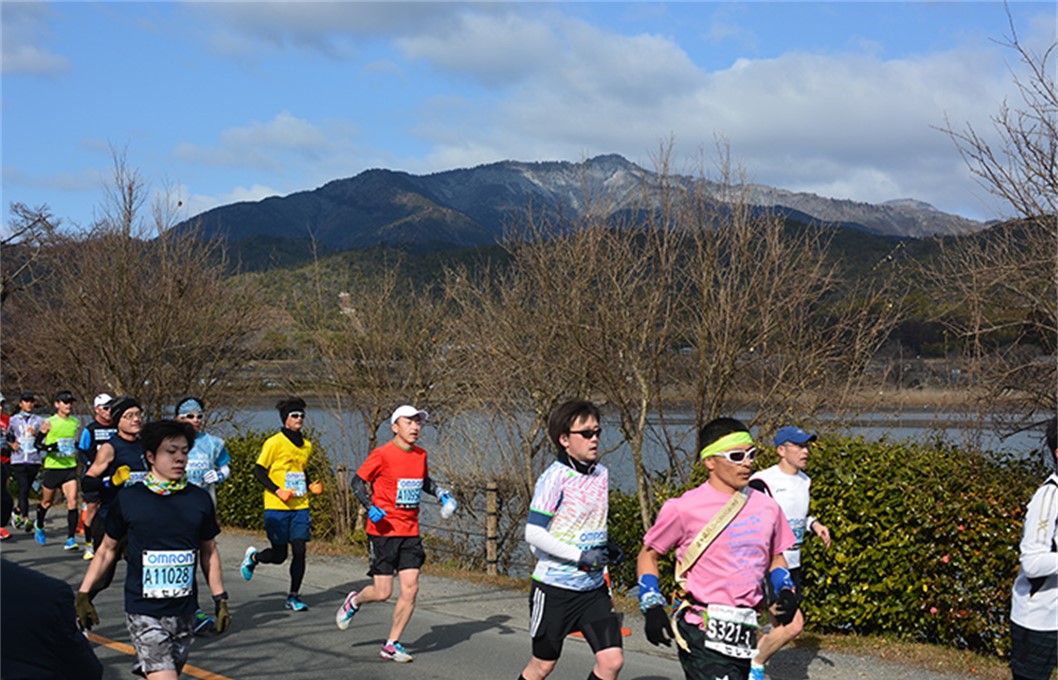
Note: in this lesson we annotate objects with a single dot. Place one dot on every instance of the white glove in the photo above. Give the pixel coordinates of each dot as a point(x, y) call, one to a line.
point(211, 477)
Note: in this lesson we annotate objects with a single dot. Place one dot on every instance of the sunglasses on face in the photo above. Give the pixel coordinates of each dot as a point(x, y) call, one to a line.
point(588, 434)
point(194, 416)
point(66, 401)
point(738, 455)
point(296, 414)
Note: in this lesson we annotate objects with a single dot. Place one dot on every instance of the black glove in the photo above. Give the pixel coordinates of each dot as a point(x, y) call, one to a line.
point(658, 630)
point(786, 603)
point(592, 559)
point(614, 554)
point(86, 613)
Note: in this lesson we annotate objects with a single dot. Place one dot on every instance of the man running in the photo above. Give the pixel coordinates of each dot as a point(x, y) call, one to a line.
point(788, 484)
point(398, 475)
point(22, 432)
point(567, 532)
point(60, 467)
point(715, 625)
point(119, 462)
point(170, 526)
point(280, 469)
point(207, 465)
point(95, 433)
point(1034, 603)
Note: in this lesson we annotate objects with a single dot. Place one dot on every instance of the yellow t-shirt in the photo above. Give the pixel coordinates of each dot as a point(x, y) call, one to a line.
point(286, 468)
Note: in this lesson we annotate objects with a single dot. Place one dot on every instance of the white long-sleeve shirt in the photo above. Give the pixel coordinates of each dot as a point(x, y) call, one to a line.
point(1034, 604)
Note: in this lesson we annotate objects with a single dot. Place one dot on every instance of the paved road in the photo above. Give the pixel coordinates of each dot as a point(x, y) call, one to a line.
point(460, 630)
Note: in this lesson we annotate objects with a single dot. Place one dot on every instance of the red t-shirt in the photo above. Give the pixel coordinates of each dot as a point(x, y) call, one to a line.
point(396, 477)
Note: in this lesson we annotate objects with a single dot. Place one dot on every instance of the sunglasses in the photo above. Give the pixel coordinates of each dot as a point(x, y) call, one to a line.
point(193, 416)
point(588, 434)
point(295, 414)
point(738, 455)
point(66, 401)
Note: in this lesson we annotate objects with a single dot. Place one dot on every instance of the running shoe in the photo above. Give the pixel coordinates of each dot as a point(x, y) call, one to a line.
point(248, 565)
point(71, 544)
point(4, 534)
point(27, 524)
point(294, 603)
point(203, 623)
point(16, 521)
point(89, 552)
point(346, 611)
point(756, 673)
point(394, 652)
point(38, 533)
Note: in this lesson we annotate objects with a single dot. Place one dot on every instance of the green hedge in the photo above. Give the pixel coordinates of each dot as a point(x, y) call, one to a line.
point(239, 498)
point(925, 540)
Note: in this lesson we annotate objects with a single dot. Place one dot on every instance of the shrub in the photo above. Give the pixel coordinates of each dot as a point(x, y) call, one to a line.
point(925, 540)
point(239, 498)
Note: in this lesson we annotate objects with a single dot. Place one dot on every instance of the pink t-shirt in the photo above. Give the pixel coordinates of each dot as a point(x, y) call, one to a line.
point(731, 570)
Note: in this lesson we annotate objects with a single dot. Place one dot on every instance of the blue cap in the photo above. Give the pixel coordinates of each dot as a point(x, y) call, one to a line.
point(793, 434)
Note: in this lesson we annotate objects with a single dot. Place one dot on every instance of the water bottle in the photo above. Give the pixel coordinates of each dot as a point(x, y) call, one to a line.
point(448, 508)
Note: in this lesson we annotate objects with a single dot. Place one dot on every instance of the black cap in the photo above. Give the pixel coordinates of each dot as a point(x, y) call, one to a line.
point(120, 405)
point(27, 396)
point(65, 395)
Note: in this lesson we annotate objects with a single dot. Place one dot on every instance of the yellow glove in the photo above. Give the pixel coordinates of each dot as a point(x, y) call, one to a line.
point(86, 613)
point(120, 476)
point(285, 494)
point(316, 487)
point(222, 619)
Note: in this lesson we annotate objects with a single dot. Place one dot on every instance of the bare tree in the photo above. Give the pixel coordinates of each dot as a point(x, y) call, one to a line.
point(32, 229)
point(151, 317)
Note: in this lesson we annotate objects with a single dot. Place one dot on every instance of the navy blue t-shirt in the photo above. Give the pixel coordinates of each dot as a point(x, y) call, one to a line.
point(165, 534)
point(125, 453)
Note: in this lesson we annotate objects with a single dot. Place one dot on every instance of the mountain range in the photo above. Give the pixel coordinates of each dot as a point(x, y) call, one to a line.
point(475, 206)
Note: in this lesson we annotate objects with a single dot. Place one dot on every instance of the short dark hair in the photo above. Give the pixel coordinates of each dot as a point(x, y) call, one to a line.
point(155, 432)
point(1052, 434)
point(563, 417)
point(717, 428)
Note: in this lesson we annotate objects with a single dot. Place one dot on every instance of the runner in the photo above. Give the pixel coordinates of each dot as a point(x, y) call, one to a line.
point(119, 462)
point(94, 434)
point(207, 466)
point(60, 467)
point(1034, 603)
point(281, 471)
point(22, 432)
point(7, 504)
point(170, 526)
point(398, 474)
point(788, 484)
point(715, 625)
point(567, 533)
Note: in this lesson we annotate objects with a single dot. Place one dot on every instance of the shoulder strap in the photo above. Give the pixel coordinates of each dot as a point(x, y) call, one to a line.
point(709, 533)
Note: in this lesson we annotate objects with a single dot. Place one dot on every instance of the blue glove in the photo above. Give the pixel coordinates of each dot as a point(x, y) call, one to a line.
point(781, 580)
point(375, 513)
point(650, 593)
point(592, 559)
point(785, 596)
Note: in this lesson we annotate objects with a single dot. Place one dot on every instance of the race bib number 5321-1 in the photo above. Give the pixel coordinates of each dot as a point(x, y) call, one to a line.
point(732, 631)
point(168, 573)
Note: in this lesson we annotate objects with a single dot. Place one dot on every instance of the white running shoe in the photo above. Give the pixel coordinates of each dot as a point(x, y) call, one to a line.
point(394, 652)
point(346, 611)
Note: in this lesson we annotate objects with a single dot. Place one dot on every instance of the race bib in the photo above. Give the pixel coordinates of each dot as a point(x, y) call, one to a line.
point(27, 444)
point(732, 631)
point(195, 470)
point(798, 527)
point(136, 478)
point(295, 481)
point(409, 491)
point(67, 447)
point(168, 573)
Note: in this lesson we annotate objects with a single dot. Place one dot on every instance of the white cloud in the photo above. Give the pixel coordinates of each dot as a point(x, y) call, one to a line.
point(24, 33)
point(196, 204)
point(259, 145)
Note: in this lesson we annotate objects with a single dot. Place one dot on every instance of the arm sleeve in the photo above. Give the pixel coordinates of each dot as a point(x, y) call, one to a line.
point(261, 475)
point(359, 486)
point(540, 538)
point(431, 487)
point(85, 442)
point(223, 458)
point(1038, 556)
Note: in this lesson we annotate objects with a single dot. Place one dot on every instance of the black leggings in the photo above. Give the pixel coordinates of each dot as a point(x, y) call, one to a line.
point(24, 474)
point(277, 554)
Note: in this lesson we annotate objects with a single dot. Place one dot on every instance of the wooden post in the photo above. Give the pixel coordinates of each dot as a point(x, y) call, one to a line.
point(491, 528)
point(345, 525)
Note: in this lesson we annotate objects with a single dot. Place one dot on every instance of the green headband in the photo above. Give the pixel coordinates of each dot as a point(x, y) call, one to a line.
point(725, 443)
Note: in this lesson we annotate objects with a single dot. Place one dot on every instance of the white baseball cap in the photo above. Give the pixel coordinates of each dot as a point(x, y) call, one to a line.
point(407, 411)
point(102, 399)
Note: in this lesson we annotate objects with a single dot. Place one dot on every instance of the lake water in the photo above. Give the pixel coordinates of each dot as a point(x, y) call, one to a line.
point(346, 441)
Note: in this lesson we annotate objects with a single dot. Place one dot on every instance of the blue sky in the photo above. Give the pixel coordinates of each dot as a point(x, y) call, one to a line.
point(217, 102)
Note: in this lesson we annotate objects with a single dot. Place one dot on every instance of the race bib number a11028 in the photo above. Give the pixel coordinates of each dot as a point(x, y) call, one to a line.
point(168, 573)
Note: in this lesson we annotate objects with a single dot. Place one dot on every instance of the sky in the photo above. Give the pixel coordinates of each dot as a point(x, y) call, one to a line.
point(217, 102)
